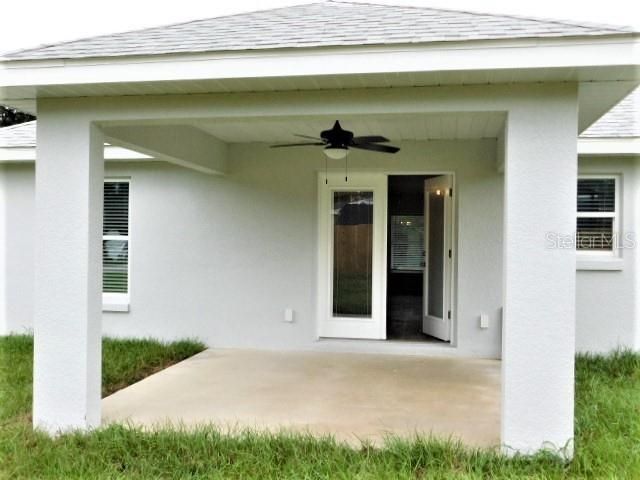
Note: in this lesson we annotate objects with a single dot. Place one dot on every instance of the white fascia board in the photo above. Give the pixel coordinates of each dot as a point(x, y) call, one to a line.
point(620, 50)
point(609, 146)
point(17, 154)
point(28, 154)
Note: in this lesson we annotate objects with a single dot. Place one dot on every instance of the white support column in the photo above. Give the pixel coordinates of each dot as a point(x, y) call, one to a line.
point(539, 279)
point(68, 284)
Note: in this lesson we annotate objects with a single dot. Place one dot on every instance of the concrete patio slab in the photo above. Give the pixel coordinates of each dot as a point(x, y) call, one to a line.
point(351, 396)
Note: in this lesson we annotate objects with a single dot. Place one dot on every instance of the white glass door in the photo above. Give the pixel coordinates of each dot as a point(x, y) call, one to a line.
point(438, 196)
point(353, 252)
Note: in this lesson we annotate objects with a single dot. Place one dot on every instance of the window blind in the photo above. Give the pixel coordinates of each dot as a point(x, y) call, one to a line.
point(596, 195)
point(115, 237)
point(595, 234)
point(597, 214)
point(407, 243)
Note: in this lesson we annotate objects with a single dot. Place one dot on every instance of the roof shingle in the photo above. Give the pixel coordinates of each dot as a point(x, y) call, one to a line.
point(16, 136)
point(623, 120)
point(332, 23)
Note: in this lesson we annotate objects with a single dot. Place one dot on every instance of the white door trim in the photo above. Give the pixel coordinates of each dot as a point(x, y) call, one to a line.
point(348, 327)
point(336, 177)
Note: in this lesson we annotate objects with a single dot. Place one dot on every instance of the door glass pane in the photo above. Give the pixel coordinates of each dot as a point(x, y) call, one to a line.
point(436, 255)
point(352, 253)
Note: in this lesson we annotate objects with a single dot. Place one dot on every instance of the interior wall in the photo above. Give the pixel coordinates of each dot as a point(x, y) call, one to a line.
point(405, 198)
point(607, 303)
point(221, 257)
point(405, 293)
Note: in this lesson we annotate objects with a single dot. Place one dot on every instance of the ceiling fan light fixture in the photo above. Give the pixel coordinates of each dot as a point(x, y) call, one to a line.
point(337, 142)
point(336, 153)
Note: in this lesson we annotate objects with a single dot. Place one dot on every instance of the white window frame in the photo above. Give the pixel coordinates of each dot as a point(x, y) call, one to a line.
point(119, 302)
point(615, 215)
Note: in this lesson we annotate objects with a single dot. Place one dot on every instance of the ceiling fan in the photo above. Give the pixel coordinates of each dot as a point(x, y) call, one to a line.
point(337, 142)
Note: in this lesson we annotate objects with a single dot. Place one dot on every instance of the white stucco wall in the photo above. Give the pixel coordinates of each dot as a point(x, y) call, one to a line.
point(186, 227)
point(220, 258)
point(17, 219)
point(607, 301)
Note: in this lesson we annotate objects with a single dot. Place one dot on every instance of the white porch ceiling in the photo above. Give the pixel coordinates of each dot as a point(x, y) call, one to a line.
point(457, 126)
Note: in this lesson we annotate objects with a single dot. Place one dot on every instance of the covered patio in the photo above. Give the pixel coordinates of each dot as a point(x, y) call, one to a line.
point(236, 249)
point(354, 397)
point(260, 220)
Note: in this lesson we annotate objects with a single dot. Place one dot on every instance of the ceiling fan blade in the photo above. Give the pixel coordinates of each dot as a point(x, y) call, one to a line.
point(307, 136)
point(374, 147)
point(370, 139)
point(319, 144)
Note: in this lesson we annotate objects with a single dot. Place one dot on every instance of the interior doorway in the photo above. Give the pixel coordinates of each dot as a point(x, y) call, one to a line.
point(419, 257)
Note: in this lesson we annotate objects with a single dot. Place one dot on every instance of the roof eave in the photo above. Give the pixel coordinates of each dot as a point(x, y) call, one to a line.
point(609, 146)
point(313, 49)
point(582, 59)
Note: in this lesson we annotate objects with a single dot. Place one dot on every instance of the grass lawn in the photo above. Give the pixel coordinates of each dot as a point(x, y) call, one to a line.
point(607, 434)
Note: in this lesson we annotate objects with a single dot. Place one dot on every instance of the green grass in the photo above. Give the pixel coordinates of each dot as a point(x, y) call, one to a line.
point(124, 362)
point(607, 435)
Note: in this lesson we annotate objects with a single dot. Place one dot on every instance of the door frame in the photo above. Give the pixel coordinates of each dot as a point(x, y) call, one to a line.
point(324, 269)
point(453, 284)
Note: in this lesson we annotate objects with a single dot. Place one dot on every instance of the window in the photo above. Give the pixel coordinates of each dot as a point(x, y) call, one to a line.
point(598, 209)
point(352, 253)
point(115, 239)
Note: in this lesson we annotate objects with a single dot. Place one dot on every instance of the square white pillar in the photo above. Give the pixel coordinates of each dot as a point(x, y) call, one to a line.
point(539, 278)
point(68, 270)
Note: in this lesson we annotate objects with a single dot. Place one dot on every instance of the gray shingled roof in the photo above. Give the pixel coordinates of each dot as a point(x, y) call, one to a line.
point(623, 120)
point(21, 135)
point(333, 23)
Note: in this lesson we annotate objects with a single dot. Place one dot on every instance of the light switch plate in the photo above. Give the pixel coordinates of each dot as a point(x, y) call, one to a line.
point(484, 320)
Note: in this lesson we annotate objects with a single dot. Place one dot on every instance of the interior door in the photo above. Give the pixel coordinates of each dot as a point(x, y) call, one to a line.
point(438, 196)
point(352, 256)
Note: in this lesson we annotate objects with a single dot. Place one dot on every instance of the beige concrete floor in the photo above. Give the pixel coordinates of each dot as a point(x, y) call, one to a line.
point(351, 396)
